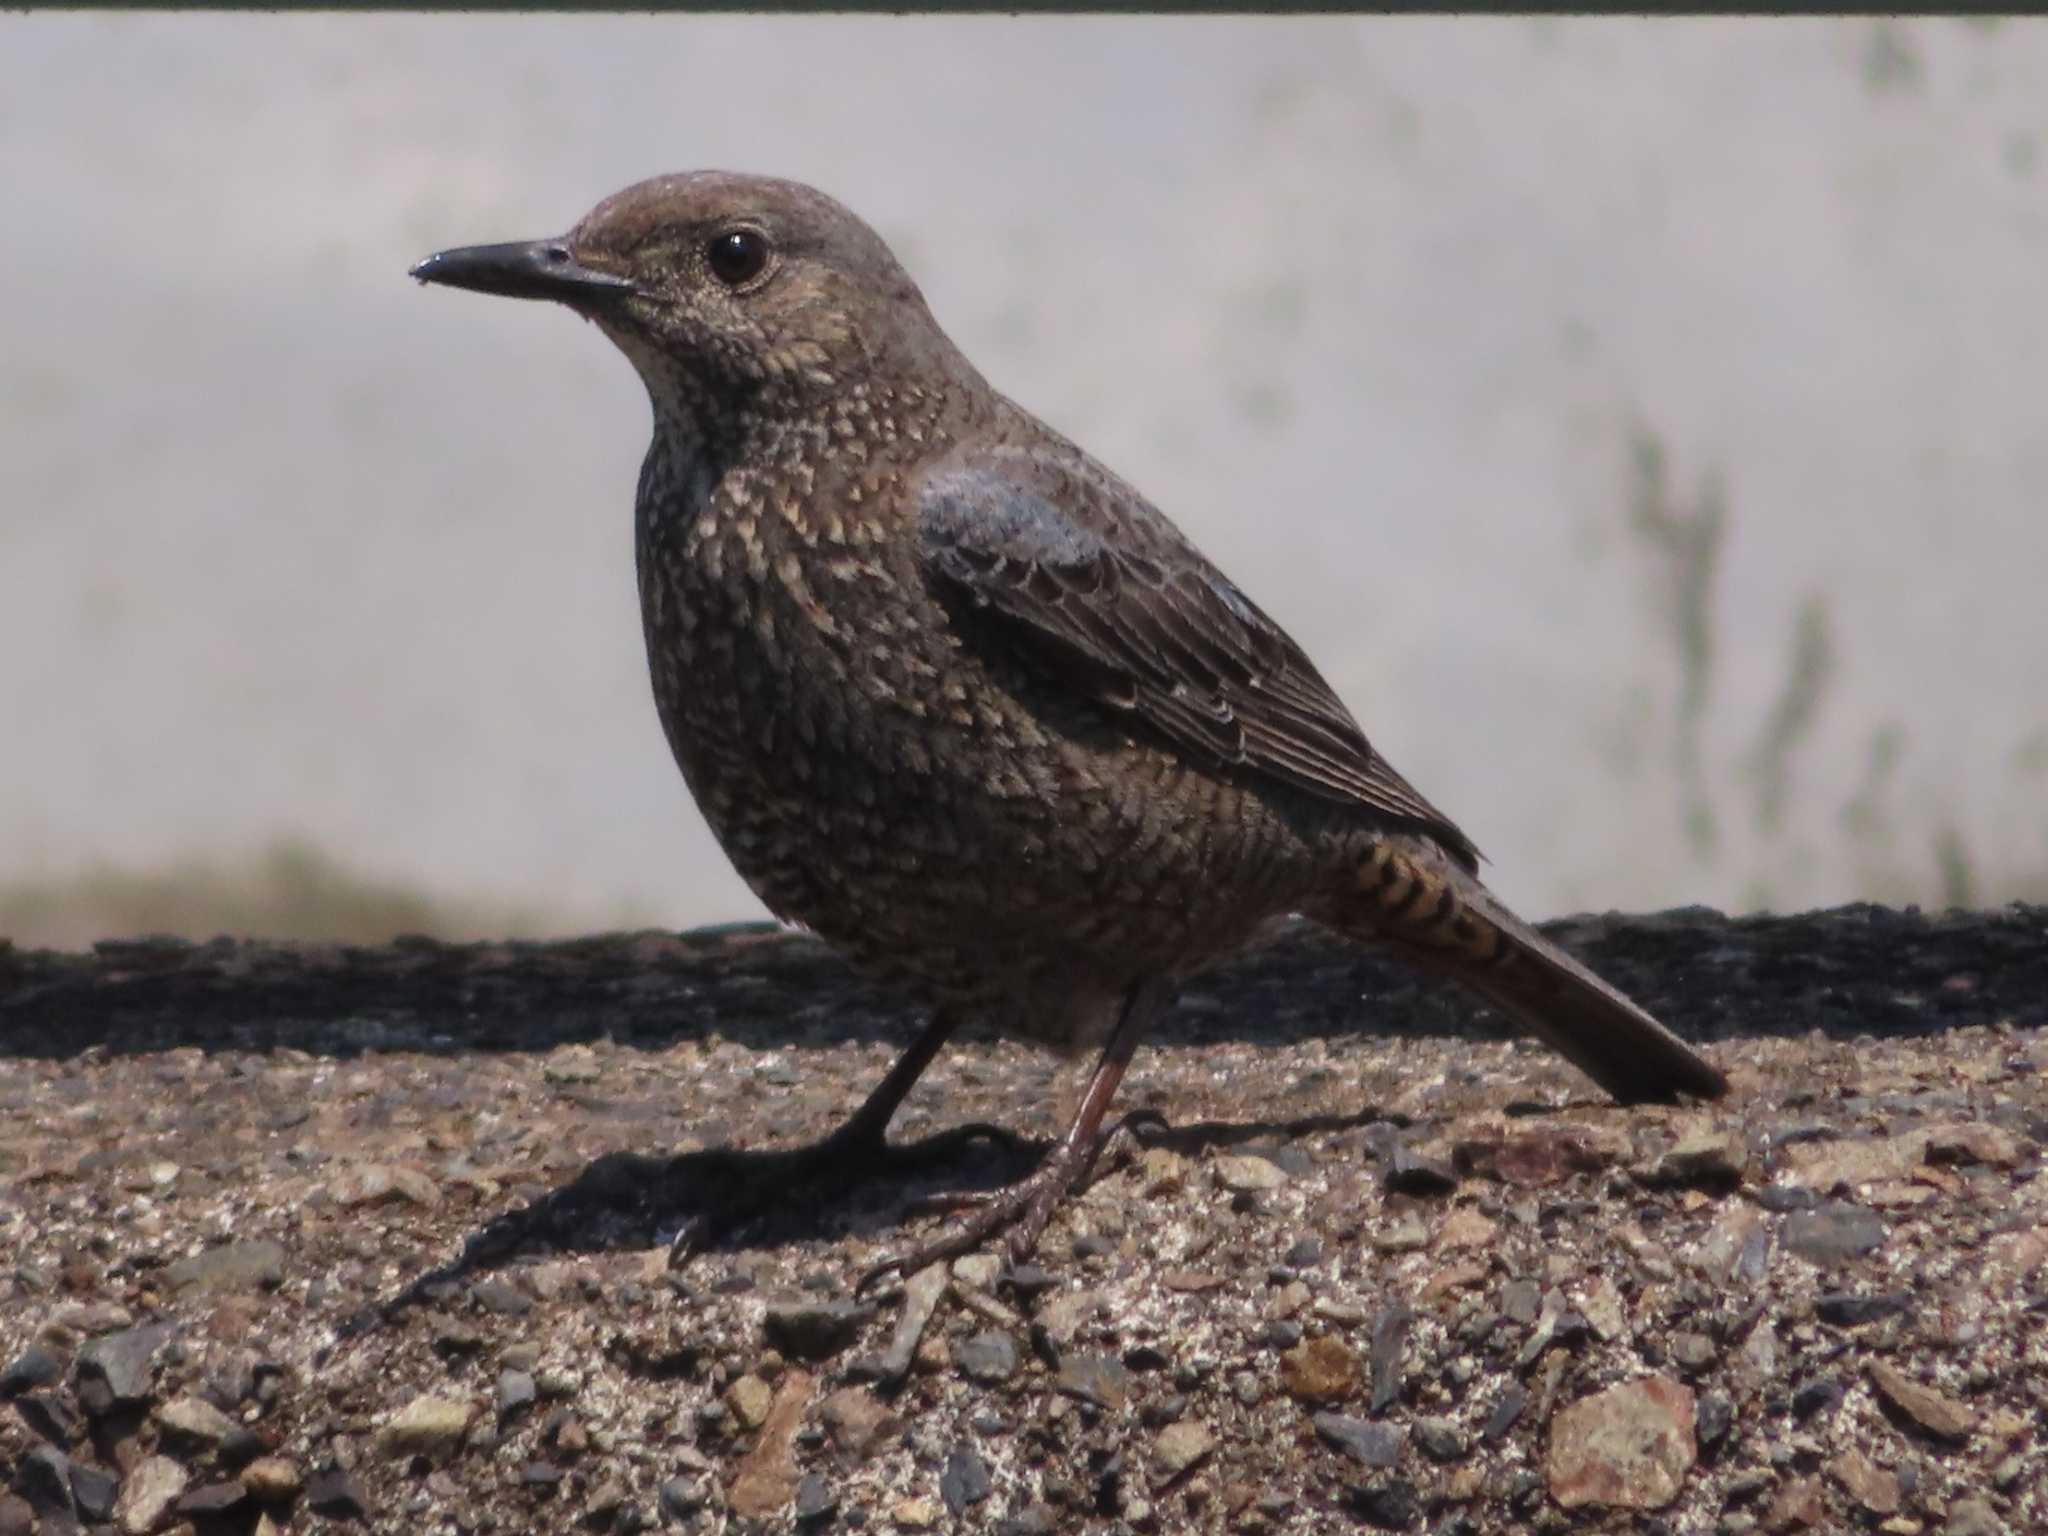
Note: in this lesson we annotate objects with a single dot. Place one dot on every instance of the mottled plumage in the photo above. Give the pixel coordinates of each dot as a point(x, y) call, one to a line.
point(957, 698)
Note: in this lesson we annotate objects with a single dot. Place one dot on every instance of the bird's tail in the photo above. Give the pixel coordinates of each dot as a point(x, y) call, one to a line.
point(1435, 913)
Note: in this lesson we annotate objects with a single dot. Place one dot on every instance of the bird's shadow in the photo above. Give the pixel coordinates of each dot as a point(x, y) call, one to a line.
point(630, 1200)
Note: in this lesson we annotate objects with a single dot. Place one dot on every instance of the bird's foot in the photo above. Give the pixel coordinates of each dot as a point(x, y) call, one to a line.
point(815, 1174)
point(1022, 1210)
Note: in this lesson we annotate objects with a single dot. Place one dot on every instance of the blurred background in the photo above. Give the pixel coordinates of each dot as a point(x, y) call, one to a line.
point(1641, 421)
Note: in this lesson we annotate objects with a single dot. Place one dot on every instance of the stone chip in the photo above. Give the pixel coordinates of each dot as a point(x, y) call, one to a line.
point(1369, 1444)
point(1245, 1174)
point(1627, 1447)
point(239, 1266)
point(119, 1370)
point(1320, 1370)
point(147, 1494)
point(1178, 1447)
point(1936, 1412)
point(426, 1426)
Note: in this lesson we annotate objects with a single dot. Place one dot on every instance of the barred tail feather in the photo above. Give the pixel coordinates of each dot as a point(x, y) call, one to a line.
point(1438, 914)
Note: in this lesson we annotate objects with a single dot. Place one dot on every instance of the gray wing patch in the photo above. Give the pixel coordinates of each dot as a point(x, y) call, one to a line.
point(1081, 572)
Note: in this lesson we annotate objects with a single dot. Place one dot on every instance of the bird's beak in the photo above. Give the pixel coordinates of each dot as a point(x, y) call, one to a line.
point(537, 269)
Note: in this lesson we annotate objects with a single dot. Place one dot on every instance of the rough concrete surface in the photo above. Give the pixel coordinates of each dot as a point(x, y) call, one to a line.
point(1381, 1270)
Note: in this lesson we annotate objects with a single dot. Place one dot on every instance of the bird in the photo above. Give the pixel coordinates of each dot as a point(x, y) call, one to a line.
point(959, 700)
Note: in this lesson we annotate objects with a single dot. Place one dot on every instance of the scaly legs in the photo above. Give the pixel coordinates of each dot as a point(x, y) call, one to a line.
point(854, 1152)
point(1024, 1208)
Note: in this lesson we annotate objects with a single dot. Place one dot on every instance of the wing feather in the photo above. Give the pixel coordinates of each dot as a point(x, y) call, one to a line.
point(1077, 568)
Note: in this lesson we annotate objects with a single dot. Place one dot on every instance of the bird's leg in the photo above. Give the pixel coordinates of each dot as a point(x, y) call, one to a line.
point(856, 1150)
point(1025, 1207)
point(860, 1142)
point(864, 1128)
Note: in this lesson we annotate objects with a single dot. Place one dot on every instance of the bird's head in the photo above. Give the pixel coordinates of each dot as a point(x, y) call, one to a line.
point(722, 289)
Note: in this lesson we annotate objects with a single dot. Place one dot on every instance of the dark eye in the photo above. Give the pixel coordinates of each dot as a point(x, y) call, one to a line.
point(737, 256)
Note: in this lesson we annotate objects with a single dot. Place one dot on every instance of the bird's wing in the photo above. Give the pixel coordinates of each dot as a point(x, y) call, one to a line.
point(1079, 571)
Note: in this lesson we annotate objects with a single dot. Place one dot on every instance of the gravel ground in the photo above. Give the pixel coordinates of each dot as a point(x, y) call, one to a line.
point(1383, 1271)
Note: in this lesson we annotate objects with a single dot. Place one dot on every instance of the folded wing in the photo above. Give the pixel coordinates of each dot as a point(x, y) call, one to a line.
point(1080, 572)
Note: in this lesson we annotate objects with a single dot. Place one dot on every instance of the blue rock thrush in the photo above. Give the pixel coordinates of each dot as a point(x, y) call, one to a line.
point(962, 702)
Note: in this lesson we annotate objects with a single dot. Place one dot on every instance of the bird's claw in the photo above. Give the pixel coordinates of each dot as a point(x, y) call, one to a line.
point(1021, 1210)
point(819, 1172)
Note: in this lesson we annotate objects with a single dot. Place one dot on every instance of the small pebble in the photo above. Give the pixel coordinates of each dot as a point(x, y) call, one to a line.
point(815, 1501)
point(1392, 1505)
point(94, 1492)
point(1305, 1253)
point(680, 1497)
point(1249, 1175)
point(1370, 1444)
point(1027, 1280)
point(1440, 1440)
point(33, 1367)
point(336, 1495)
point(515, 1392)
point(989, 1357)
point(1178, 1447)
point(502, 1297)
point(1817, 1396)
point(966, 1481)
point(1410, 1173)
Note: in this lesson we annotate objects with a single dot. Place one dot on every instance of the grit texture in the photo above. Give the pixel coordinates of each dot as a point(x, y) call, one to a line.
point(1377, 1270)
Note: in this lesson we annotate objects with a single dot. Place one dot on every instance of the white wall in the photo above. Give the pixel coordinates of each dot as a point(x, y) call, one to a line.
point(1374, 307)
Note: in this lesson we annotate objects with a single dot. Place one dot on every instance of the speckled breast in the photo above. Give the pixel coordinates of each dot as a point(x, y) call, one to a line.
point(945, 818)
